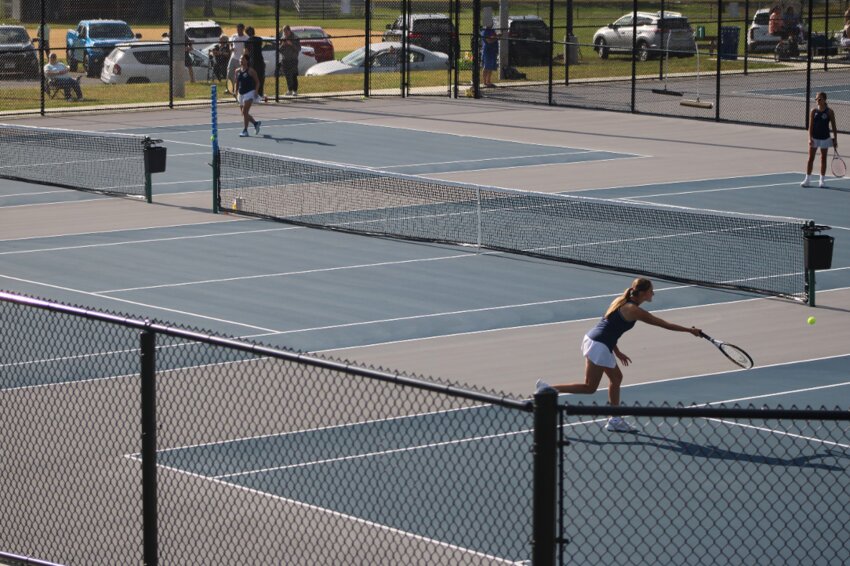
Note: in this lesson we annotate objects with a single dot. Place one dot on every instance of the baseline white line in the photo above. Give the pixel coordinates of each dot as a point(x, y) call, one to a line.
point(138, 304)
point(700, 180)
point(287, 273)
point(700, 191)
point(147, 241)
point(483, 159)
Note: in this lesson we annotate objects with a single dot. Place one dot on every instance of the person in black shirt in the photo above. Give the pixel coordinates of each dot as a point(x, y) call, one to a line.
point(290, 49)
point(254, 47)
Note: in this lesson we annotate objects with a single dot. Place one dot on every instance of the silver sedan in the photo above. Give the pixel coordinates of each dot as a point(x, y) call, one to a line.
point(384, 57)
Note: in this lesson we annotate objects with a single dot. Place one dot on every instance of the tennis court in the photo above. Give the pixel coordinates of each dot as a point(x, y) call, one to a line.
point(485, 317)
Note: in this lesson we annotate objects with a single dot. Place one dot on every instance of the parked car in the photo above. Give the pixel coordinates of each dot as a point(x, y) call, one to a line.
point(17, 53)
point(147, 62)
point(203, 34)
point(384, 57)
point(657, 33)
point(315, 37)
point(93, 40)
point(434, 32)
point(528, 41)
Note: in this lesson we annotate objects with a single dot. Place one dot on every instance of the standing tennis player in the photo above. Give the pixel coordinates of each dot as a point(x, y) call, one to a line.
point(599, 346)
point(820, 120)
point(246, 82)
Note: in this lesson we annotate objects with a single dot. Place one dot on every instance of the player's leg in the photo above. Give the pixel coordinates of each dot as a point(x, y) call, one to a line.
point(592, 377)
point(615, 377)
point(809, 166)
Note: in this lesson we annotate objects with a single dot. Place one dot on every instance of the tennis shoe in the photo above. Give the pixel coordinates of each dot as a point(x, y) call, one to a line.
point(257, 127)
point(821, 183)
point(244, 134)
point(543, 387)
point(805, 183)
point(288, 93)
point(619, 424)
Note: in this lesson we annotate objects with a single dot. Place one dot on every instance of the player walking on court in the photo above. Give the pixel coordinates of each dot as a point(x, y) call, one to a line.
point(599, 346)
point(821, 119)
point(246, 82)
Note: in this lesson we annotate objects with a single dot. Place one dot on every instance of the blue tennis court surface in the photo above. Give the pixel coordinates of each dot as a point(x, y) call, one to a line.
point(325, 468)
point(834, 93)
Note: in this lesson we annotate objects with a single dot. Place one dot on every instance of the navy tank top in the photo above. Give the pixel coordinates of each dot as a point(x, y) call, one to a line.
point(820, 124)
point(244, 82)
point(609, 330)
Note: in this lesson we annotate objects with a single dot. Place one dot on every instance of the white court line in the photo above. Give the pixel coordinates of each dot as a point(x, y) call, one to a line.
point(137, 303)
point(147, 241)
point(483, 159)
point(700, 191)
point(33, 194)
point(119, 230)
point(699, 180)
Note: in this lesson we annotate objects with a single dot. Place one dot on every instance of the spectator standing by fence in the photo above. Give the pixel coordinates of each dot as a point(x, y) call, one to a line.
point(221, 55)
point(254, 49)
point(489, 54)
point(237, 47)
point(290, 49)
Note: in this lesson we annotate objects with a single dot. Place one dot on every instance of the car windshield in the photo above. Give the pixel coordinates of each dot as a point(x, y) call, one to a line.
point(674, 23)
point(355, 58)
point(441, 27)
point(110, 31)
point(530, 29)
point(309, 34)
point(762, 19)
point(14, 35)
point(204, 33)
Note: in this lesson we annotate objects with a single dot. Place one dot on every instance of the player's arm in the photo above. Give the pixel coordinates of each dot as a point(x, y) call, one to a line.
point(624, 359)
point(834, 128)
point(634, 312)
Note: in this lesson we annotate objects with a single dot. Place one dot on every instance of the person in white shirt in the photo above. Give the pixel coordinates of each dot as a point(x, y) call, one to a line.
point(57, 72)
point(237, 47)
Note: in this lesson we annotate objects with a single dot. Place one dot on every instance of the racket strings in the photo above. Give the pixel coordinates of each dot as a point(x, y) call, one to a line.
point(839, 168)
point(737, 355)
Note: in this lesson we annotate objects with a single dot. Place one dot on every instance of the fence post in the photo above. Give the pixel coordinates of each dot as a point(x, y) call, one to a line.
point(545, 477)
point(148, 407)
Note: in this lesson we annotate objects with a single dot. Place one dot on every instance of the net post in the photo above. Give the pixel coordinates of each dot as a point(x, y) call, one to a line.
point(216, 165)
point(545, 477)
point(810, 286)
point(147, 343)
point(148, 180)
point(478, 217)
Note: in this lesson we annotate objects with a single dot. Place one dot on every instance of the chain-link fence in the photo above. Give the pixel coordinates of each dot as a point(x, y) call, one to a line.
point(126, 440)
point(709, 485)
point(724, 60)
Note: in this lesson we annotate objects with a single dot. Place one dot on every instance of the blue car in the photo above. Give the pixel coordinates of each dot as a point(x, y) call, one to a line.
point(93, 40)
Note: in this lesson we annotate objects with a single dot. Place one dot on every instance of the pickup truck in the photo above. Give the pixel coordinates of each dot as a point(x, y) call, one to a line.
point(92, 41)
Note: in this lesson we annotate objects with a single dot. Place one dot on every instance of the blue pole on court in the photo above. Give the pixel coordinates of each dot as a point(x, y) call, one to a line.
point(215, 151)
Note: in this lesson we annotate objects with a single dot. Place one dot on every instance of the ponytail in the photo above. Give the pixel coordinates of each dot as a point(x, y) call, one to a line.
point(638, 285)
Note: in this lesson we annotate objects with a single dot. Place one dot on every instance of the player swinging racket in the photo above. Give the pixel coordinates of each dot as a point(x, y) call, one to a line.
point(820, 120)
point(600, 346)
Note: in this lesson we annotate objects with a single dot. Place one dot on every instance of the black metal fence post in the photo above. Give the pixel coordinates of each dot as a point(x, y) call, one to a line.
point(148, 406)
point(367, 64)
point(545, 477)
point(719, 59)
point(809, 55)
point(476, 48)
point(42, 56)
point(634, 54)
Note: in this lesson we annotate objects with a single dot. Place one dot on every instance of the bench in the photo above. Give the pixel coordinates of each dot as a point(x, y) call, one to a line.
point(709, 42)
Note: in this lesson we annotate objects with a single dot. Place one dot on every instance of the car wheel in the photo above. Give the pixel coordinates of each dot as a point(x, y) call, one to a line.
point(643, 51)
point(601, 48)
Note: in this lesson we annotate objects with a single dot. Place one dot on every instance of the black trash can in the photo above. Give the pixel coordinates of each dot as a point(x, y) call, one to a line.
point(817, 251)
point(155, 159)
point(729, 42)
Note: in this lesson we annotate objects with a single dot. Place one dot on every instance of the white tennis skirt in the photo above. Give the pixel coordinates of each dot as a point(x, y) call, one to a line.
point(598, 353)
point(250, 95)
point(823, 144)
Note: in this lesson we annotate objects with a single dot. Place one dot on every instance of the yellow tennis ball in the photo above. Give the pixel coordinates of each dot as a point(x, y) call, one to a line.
point(811, 320)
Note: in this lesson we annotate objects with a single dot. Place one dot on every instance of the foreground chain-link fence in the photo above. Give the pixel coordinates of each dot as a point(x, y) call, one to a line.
point(128, 441)
point(705, 485)
point(725, 60)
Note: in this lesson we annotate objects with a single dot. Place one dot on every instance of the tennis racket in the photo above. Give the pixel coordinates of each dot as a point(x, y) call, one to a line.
point(839, 168)
point(735, 354)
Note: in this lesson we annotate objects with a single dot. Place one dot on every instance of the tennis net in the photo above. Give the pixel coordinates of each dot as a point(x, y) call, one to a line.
point(761, 254)
point(92, 161)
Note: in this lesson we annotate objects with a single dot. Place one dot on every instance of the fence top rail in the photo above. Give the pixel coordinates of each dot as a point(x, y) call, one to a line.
point(146, 325)
point(702, 411)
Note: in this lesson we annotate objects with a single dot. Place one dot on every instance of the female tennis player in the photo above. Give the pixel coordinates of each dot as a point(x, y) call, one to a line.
point(246, 81)
point(599, 346)
point(820, 120)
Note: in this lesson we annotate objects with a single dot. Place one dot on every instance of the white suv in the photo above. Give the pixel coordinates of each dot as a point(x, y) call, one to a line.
point(657, 32)
point(203, 34)
point(147, 62)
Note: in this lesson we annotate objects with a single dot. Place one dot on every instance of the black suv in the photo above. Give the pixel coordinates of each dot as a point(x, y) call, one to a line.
point(434, 32)
point(528, 41)
point(17, 53)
